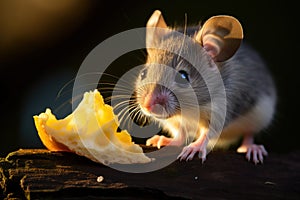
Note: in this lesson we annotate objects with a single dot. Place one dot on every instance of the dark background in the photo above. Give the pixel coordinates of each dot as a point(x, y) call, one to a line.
point(43, 43)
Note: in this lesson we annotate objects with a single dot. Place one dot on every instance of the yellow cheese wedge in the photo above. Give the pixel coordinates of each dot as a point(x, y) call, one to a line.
point(90, 131)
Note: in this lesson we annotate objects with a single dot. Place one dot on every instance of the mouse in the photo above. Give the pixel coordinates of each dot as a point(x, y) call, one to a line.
point(167, 82)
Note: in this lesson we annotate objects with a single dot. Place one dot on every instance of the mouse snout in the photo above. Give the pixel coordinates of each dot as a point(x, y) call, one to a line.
point(155, 101)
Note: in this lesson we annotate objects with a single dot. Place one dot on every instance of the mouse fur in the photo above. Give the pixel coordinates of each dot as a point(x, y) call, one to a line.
point(249, 88)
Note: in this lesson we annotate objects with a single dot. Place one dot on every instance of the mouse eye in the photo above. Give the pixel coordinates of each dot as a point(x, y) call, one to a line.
point(143, 74)
point(182, 77)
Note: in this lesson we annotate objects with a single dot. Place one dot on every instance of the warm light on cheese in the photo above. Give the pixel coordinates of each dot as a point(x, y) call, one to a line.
point(90, 131)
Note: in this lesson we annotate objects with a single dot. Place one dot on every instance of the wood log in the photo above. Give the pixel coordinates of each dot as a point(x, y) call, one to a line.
point(41, 174)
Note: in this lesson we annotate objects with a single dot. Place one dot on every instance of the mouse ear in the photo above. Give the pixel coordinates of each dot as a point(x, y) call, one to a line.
point(153, 35)
point(221, 37)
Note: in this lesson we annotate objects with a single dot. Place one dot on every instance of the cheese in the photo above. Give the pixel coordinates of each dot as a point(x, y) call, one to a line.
point(90, 131)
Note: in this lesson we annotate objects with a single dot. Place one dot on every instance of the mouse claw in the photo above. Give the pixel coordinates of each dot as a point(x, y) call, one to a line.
point(191, 156)
point(158, 141)
point(202, 155)
point(189, 152)
point(184, 153)
point(257, 153)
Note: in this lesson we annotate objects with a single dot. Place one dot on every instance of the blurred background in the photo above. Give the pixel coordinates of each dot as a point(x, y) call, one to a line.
point(44, 42)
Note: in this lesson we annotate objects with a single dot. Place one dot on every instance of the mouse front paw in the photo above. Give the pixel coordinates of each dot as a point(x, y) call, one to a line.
point(158, 141)
point(189, 152)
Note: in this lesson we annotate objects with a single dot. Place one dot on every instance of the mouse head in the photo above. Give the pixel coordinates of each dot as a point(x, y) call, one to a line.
point(167, 77)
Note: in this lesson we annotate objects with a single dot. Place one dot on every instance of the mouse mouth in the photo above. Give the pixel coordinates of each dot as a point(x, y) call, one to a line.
point(157, 111)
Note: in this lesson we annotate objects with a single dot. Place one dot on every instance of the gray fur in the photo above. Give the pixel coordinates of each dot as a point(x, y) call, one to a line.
point(246, 79)
point(245, 76)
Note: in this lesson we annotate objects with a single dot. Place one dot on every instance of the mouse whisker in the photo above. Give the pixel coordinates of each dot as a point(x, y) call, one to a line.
point(119, 96)
point(138, 116)
point(66, 102)
point(125, 114)
point(86, 76)
point(184, 37)
point(114, 85)
point(79, 77)
point(62, 93)
point(126, 119)
point(136, 112)
point(121, 104)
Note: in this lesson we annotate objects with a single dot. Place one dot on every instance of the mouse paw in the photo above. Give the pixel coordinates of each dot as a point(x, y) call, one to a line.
point(256, 152)
point(158, 141)
point(189, 152)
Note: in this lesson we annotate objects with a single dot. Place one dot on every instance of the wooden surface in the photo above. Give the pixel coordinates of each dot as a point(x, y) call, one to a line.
point(40, 174)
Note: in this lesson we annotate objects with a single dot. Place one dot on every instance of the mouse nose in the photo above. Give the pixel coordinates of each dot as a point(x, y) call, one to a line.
point(158, 101)
point(154, 103)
